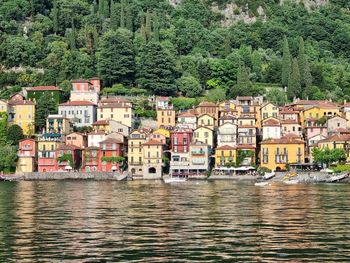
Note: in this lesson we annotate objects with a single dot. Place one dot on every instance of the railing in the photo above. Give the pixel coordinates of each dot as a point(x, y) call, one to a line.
point(198, 152)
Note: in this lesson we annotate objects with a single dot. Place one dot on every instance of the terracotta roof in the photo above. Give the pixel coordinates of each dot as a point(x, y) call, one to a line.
point(114, 105)
point(78, 103)
point(203, 127)
point(111, 140)
point(271, 122)
point(101, 122)
point(21, 102)
point(203, 114)
point(228, 117)
point(341, 131)
point(44, 88)
point(79, 133)
point(225, 147)
point(245, 146)
point(92, 148)
point(162, 99)
point(97, 133)
point(337, 138)
point(68, 147)
point(153, 142)
point(207, 104)
point(289, 122)
point(288, 139)
point(336, 116)
point(186, 114)
point(346, 105)
point(246, 126)
point(27, 139)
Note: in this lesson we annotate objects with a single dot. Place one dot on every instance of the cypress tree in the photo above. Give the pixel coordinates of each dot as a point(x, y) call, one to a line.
point(286, 62)
point(128, 17)
point(308, 76)
point(294, 87)
point(227, 46)
point(143, 32)
point(122, 14)
point(72, 37)
point(55, 17)
point(243, 81)
point(155, 29)
point(94, 7)
point(148, 28)
point(115, 15)
point(106, 11)
point(302, 61)
point(101, 7)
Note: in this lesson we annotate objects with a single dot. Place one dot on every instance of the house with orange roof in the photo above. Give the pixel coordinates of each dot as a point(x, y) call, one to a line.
point(22, 113)
point(276, 154)
point(208, 108)
point(337, 142)
point(152, 159)
point(206, 120)
point(186, 120)
point(271, 128)
point(118, 112)
point(77, 139)
point(225, 155)
point(205, 135)
point(85, 90)
point(335, 123)
point(291, 126)
point(267, 110)
point(82, 113)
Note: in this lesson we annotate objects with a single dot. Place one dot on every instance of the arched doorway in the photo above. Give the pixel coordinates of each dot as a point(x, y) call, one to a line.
point(278, 169)
point(44, 170)
point(152, 170)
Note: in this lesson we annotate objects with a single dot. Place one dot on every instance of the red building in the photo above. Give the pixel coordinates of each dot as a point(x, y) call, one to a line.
point(73, 158)
point(92, 159)
point(27, 156)
point(27, 147)
point(110, 149)
point(181, 140)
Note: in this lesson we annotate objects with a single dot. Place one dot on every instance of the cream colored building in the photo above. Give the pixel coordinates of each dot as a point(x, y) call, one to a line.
point(118, 112)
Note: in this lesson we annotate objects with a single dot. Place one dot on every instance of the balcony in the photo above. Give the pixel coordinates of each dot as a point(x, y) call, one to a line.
point(135, 163)
point(198, 161)
point(180, 163)
point(200, 152)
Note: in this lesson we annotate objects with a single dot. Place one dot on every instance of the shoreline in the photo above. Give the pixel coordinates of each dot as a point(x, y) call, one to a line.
point(302, 178)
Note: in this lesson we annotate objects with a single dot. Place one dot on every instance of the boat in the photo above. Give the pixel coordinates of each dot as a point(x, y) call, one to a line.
point(169, 180)
point(337, 178)
point(262, 183)
point(294, 181)
point(268, 176)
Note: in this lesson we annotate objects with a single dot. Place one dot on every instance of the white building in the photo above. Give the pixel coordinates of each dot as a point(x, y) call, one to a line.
point(85, 90)
point(227, 134)
point(94, 138)
point(271, 128)
point(82, 113)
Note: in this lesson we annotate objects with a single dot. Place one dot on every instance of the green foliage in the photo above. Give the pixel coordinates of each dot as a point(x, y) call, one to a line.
point(216, 95)
point(339, 168)
point(44, 107)
point(328, 156)
point(182, 103)
point(71, 39)
point(277, 96)
point(67, 157)
point(263, 170)
point(294, 87)
point(117, 159)
point(242, 154)
point(8, 157)
point(14, 134)
point(116, 63)
point(3, 127)
point(189, 86)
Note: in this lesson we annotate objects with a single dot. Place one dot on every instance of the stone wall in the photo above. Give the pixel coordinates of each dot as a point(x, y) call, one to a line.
point(70, 176)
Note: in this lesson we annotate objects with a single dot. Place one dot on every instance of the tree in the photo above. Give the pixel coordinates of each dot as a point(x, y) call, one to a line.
point(155, 29)
point(189, 86)
point(294, 87)
point(44, 107)
point(156, 70)
point(54, 14)
point(276, 96)
point(243, 81)
point(216, 95)
point(148, 27)
point(116, 58)
point(122, 14)
point(8, 157)
point(307, 76)
point(3, 127)
point(328, 156)
point(302, 61)
point(286, 62)
point(14, 134)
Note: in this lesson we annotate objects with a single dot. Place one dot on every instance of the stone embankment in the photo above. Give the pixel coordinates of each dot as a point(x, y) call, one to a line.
point(68, 176)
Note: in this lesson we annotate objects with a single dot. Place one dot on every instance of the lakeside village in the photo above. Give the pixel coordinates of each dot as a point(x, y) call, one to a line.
point(238, 136)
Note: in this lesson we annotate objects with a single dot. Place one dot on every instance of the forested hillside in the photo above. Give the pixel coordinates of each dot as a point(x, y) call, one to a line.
point(188, 47)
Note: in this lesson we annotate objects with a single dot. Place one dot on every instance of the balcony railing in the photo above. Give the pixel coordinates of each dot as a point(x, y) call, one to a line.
point(198, 152)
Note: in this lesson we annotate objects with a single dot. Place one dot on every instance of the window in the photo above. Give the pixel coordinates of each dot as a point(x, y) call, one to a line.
point(148, 154)
point(338, 124)
point(120, 130)
point(222, 153)
point(206, 134)
point(111, 116)
point(185, 149)
point(175, 141)
point(185, 140)
point(140, 159)
point(19, 116)
point(293, 128)
point(101, 116)
point(169, 120)
point(175, 149)
point(29, 116)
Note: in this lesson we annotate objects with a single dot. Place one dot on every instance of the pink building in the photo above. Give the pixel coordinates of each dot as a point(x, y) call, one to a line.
point(77, 139)
point(313, 128)
point(76, 158)
point(85, 90)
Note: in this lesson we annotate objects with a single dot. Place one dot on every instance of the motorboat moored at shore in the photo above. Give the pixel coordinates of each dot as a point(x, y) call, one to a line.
point(294, 181)
point(262, 183)
point(337, 178)
point(268, 176)
point(169, 180)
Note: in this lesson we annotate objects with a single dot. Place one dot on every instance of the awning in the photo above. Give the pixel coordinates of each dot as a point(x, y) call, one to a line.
point(68, 167)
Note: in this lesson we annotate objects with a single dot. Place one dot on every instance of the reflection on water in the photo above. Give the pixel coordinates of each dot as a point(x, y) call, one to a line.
point(82, 221)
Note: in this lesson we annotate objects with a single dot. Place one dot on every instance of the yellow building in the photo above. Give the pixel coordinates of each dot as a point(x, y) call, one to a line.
point(58, 124)
point(317, 112)
point(166, 117)
point(225, 155)
point(162, 131)
point(3, 106)
point(22, 113)
point(275, 154)
point(337, 142)
point(153, 159)
point(101, 125)
point(206, 120)
point(204, 135)
point(135, 156)
point(118, 112)
point(268, 110)
point(47, 147)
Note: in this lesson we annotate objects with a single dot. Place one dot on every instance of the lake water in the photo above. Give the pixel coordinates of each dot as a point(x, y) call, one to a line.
point(140, 221)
